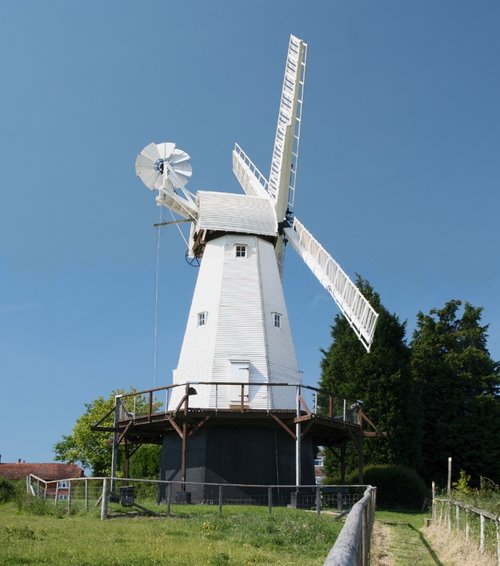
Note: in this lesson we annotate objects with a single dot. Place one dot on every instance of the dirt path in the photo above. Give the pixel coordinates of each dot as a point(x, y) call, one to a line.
point(381, 545)
point(398, 542)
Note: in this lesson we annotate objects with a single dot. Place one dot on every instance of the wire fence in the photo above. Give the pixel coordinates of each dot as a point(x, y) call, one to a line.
point(118, 496)
point(477, 526)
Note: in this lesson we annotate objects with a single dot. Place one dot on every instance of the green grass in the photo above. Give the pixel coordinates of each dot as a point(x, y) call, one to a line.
point(192, 535)
point(408, 543)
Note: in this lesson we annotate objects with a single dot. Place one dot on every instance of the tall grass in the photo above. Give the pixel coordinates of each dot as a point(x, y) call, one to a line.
point(192, 535)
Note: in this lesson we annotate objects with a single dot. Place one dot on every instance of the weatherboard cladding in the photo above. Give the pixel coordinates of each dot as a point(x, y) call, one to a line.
point(236, 213)
point(239, 295)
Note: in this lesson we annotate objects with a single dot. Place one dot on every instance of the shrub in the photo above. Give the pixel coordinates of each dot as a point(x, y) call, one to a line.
point(7, 490)
point(38, 506)
point(397, 486)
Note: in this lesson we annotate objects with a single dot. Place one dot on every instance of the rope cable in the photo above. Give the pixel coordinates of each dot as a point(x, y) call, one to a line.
point(157, 290)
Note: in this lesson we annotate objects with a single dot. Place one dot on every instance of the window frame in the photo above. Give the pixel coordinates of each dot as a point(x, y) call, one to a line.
point(240, 250)
point(202, 319)
point(277, 319)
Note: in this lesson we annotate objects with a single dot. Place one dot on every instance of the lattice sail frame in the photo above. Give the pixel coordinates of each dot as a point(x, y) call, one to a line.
point(283, 174)
point(281, 189)
point(361, 316)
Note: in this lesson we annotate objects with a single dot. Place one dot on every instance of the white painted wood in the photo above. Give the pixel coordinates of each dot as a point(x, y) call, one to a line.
point(239, 296)
point(354, 306)
point(236, 213)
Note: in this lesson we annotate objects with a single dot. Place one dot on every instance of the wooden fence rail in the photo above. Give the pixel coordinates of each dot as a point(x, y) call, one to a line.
point(476, 525)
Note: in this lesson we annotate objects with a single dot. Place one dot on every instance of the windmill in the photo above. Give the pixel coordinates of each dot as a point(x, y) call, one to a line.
point(238, 329)
point(238, 332)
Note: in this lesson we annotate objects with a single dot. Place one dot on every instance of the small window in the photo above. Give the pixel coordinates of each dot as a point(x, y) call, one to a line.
point(202, 318)
point(241, 250)
point(277, 319)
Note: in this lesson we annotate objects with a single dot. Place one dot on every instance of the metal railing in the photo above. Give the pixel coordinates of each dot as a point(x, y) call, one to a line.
point(158, 401)
point(475, 525)
point(352, 547)
point(155, 497)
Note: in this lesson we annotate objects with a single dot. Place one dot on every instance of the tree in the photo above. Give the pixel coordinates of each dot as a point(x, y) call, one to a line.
point(93, 449)
point(459, 387)
point(381, 379)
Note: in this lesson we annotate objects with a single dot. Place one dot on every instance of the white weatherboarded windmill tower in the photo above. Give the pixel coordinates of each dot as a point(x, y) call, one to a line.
point(238, 332)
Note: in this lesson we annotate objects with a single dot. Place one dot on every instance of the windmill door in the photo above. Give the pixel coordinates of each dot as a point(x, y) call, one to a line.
point(240, 379)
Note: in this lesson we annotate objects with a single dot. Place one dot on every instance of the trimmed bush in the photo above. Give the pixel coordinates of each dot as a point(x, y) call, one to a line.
point(397, 486)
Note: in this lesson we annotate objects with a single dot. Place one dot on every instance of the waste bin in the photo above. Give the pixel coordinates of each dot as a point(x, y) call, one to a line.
point(127, 495)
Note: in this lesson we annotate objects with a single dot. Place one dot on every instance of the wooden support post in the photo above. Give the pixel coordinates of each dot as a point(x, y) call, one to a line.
point(481, 534)
point(86, 488)
point(449, 478)
point(297, 442)
point(114, 453)
point(467, 525)
point(318, 500)
point(184, 439)
point(126, 466)
point(69, 496)
point(104, 499)
point(360, 460)
point(343, 450)
point(270, 499)
point(169, 498)
point(184, 455)
point(497, 523)
point(220, 499)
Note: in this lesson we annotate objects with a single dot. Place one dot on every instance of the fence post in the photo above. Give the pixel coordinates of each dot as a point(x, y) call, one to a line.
point(270, 499)
point(457, 517)
point(433, 508)
point(114, 453)
point(220, 499)
point(448, 487)
point(56, 496)
point(86, 487)
point(481, 540)
point(363, 535)
point(497, 524)
point(467, 525)
point(104, 499)
point(448, 516)
point(69, 496)
point(318, 500)
point(169, 498)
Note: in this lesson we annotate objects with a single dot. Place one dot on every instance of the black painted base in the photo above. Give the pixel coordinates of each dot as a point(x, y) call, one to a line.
point(262, 456)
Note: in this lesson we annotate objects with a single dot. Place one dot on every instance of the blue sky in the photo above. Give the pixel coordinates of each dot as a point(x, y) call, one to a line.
point(398, 174)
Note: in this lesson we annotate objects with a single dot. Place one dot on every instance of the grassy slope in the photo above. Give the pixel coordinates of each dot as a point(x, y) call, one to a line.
point(192, 536)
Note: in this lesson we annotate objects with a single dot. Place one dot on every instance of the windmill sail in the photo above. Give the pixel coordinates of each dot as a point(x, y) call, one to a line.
point(286, 143)
point(357, 310)
point(250, 178)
